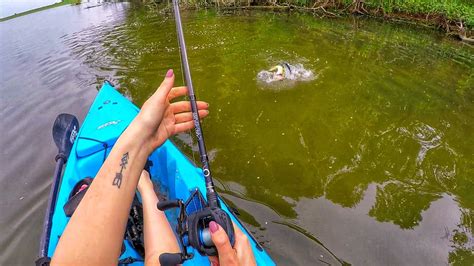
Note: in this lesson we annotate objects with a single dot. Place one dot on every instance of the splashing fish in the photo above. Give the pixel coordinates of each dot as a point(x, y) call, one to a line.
point(285, 71)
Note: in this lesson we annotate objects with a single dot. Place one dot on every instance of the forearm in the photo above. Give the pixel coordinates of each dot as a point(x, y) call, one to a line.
point(95, 232)
point(159, 236)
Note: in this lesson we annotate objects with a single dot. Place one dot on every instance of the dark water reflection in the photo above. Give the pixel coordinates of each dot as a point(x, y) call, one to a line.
point(370, 163)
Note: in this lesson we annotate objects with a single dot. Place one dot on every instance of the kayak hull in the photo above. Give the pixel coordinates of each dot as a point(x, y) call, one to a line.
point(177, 176)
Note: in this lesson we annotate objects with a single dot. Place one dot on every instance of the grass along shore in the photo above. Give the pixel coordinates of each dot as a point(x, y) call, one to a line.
point(62, 3)
point(455, 17)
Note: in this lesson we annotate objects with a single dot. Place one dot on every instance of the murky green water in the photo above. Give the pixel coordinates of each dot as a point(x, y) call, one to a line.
point(370, 163)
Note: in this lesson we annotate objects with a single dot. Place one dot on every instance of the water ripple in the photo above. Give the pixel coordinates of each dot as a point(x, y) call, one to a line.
point(425, 135)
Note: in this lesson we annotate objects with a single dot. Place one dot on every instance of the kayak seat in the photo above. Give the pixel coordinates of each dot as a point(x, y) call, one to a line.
point(76, 196)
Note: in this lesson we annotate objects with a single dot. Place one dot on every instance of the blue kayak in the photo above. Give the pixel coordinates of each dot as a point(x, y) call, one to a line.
point(177, 176)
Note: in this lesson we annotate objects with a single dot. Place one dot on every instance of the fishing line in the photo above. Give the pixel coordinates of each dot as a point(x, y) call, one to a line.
point(211, 194)
point(186, 97)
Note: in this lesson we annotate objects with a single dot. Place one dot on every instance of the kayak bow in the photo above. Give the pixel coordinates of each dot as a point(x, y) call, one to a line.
point(109, 115)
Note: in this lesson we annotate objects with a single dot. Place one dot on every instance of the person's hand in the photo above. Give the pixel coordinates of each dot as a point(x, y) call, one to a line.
point(241, 254)
point(160, 118)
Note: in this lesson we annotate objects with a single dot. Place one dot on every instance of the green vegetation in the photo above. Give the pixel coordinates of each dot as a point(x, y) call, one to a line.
point(456, 10)
point(461, 11)
point(62, 3)
point(456, 17)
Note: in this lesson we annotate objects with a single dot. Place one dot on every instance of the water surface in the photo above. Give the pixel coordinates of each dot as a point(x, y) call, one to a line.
point(370, 163)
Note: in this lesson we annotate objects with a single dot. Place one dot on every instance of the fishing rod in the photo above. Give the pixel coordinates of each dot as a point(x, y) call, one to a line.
point(195, 214)
point(211, 194)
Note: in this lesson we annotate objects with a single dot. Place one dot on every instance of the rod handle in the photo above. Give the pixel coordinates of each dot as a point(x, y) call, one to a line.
point(171, 259)
point(167, 204)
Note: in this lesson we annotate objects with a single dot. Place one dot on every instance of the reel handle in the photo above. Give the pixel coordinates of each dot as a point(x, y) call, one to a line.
point(171, 259)
point(168, 204)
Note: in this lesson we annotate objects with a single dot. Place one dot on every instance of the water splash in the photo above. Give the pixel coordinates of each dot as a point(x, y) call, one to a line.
point(297, 72)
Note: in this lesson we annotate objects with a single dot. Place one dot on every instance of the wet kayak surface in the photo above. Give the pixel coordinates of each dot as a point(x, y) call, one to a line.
point(369, 162)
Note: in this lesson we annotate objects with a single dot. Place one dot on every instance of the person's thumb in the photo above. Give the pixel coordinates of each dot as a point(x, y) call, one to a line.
point(166, 85)
point(214, 260)
point(220, 239)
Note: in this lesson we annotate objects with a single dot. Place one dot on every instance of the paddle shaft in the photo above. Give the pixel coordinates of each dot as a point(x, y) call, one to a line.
point(211, 194)
point(53, 195)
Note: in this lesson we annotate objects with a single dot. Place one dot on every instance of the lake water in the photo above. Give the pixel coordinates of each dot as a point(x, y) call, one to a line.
point(369, 163)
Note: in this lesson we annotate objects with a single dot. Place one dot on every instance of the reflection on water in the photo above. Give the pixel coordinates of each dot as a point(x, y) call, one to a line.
point(369, 163)
point(12, 7)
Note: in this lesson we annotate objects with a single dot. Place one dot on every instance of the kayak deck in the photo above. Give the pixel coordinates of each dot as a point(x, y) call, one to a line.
point(109, 115)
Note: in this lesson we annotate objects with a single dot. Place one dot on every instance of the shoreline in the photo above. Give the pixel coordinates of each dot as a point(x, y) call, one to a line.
point(455, 28)
point(31, 11)
point(434, 21)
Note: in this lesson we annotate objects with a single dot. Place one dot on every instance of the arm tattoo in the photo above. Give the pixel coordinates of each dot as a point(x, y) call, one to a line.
point(118, 176)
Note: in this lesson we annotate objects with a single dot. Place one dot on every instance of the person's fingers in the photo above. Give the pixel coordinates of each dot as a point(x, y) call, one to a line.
point(214, 260)
point(185, 106)
point(240, 237)
point(188, 116)
point(166, 86)
point(227, 255)
point(183, 127)
point(236, 229)
point(242, 247)
point(177, 92)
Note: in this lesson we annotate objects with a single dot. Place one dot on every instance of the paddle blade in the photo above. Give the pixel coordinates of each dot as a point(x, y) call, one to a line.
point(65, 130)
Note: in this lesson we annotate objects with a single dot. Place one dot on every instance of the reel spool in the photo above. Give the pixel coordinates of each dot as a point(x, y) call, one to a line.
point(193, 227)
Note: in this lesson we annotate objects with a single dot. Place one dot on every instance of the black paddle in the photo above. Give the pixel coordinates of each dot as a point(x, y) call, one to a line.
point(65, 130)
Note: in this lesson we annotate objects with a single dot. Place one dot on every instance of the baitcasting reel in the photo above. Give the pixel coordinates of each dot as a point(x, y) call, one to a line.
point(196, 214)
point(193, 227)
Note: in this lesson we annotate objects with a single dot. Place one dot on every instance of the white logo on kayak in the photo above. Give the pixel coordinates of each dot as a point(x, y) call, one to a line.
point(73, 135)
point(114, 122)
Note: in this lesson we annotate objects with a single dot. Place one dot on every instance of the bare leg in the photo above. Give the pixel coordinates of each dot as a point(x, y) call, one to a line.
point(159, 236)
